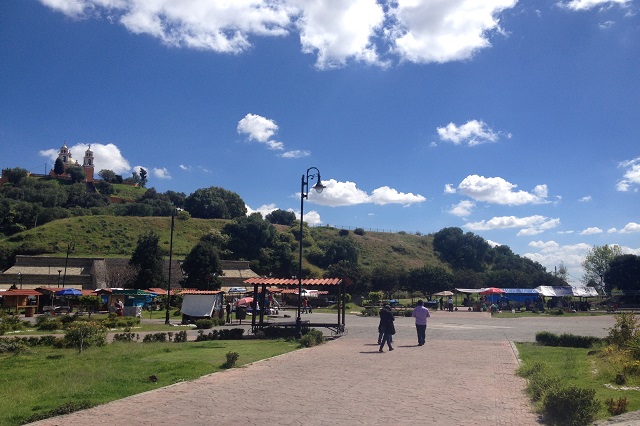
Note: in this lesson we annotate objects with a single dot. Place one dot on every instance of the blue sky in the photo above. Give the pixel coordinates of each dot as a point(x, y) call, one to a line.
point(517, 121)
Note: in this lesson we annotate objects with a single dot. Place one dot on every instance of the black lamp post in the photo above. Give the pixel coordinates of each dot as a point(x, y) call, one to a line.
point(173, 215)
point(304, 193)
point(71, 248)
point(59, 279)
point(20, 279)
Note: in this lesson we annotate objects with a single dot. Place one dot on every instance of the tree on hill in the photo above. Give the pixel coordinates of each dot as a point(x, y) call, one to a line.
point(596, 262)
point(623, 273)
point(76, 173)
point(215, 203)
point(462, 251)
point(58, 167)
point(143, 177)
point(202, 266)
point(281, 217)
point(430, 279)
point(148, 259)
point(16, 175)
point(107, 175)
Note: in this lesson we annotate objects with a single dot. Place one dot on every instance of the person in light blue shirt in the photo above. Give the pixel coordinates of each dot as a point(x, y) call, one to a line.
point(421, 313)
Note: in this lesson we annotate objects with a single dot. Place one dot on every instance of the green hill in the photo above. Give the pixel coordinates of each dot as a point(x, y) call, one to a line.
point(116, 236)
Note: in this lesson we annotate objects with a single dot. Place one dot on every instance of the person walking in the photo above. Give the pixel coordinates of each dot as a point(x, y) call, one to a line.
point(421, 313)
point(387, 327)
point(450, 304)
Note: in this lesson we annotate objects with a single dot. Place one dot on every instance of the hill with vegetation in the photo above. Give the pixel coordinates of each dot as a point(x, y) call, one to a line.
point(42, 216)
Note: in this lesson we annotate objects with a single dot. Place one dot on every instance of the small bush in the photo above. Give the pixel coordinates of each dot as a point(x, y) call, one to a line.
point(615, 408)
point(10, 323)
point(44, 323)
point(225, 334)
point(370, 312)
point(125, 337)
point(359, 231)
point(312, 338)
point(154, 337)
point(12, 346)
point(204, 323)
point(232, 358)
point(570, 406)
point(179, 337)
point(81, 335)
point(343, 232)
point(566, 340)
point(625, 331)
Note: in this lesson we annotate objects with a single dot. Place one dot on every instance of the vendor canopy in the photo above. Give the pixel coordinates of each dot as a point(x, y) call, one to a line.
point(559, 291)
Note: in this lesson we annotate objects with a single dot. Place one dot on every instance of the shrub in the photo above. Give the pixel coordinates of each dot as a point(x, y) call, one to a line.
point(566, 340)
point(625, 331)
point(179, 337)
point(343, 232)
point(232, 357)
point(12, 346)
point(225, 334)
point(370, 312)
point(10, 323)
point(45, 323)
point(615, 408)
point(154, 337)
point(125, 337)
point(81, 335)
point(312, 338)
point(570, 406)
point(359, 231)
point(204, 323)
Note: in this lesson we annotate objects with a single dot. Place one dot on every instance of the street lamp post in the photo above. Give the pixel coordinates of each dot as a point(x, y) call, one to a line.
point(20, 279)
point(59, 279)
point(304, 193)
point(71, 248)
point(173, 215)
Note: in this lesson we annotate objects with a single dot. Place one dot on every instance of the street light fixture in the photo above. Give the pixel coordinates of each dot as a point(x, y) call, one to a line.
point(173, 215)
point(304, 193)
point(71, 248)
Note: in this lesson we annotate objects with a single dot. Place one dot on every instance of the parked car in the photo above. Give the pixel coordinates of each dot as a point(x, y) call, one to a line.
point(237, 290)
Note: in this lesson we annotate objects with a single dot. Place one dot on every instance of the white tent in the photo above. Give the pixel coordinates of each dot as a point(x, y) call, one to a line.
point(201, 305)
point(560, 291)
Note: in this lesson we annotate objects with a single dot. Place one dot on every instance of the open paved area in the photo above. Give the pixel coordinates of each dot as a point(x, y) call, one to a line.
point(464, 375)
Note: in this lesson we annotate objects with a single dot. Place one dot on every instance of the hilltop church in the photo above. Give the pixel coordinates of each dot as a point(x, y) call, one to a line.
point(67, 161)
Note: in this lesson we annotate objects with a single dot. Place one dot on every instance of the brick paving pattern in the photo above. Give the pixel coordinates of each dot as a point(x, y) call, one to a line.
point(464, 375)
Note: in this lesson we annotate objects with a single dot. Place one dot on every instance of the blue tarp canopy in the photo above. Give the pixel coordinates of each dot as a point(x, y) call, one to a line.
point(520, 294)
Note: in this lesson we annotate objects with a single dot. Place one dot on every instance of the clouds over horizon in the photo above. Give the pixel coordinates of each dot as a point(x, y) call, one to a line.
point(496, 190)
point(364, 31)
point(348, 194)
point(530, 225)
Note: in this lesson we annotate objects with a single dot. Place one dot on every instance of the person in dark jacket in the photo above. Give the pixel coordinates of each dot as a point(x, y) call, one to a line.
point(387, 327)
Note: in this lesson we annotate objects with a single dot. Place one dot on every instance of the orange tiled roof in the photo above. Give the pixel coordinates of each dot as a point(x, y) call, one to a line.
point(194, 291)
point(293, 281)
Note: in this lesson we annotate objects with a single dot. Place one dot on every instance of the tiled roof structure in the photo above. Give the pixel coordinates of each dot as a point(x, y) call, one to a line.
point(293, 281)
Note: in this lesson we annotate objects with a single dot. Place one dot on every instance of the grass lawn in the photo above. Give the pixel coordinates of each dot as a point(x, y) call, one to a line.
point(42, 379)
point(574, 366)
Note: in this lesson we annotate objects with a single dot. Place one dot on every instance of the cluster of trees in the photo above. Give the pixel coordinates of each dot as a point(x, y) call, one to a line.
point(606, 267)
point(27, 202)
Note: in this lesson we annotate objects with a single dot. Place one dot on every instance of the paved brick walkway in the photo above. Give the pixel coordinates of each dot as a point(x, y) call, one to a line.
point(464, 375)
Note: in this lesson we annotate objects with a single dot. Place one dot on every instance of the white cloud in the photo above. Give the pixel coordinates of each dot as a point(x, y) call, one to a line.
point(472, 133)
point(442, 31)
point(335, 31)
point(185, 168)
point(449, 189)
point(264, 209)
point(296, 154)
point(161, 173)
point(630, 227)
point(260, 129)
point(592, 4)
point(105, 156)
point(590, 231)
point(339, 30)
point(347, 194)
point(631, 175)
point(551, 254)
point(463, 208)
point(530, 225)
point(498, 191)
point(585, 199)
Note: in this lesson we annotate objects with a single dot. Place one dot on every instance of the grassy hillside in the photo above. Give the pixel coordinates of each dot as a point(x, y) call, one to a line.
point(116, 236)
